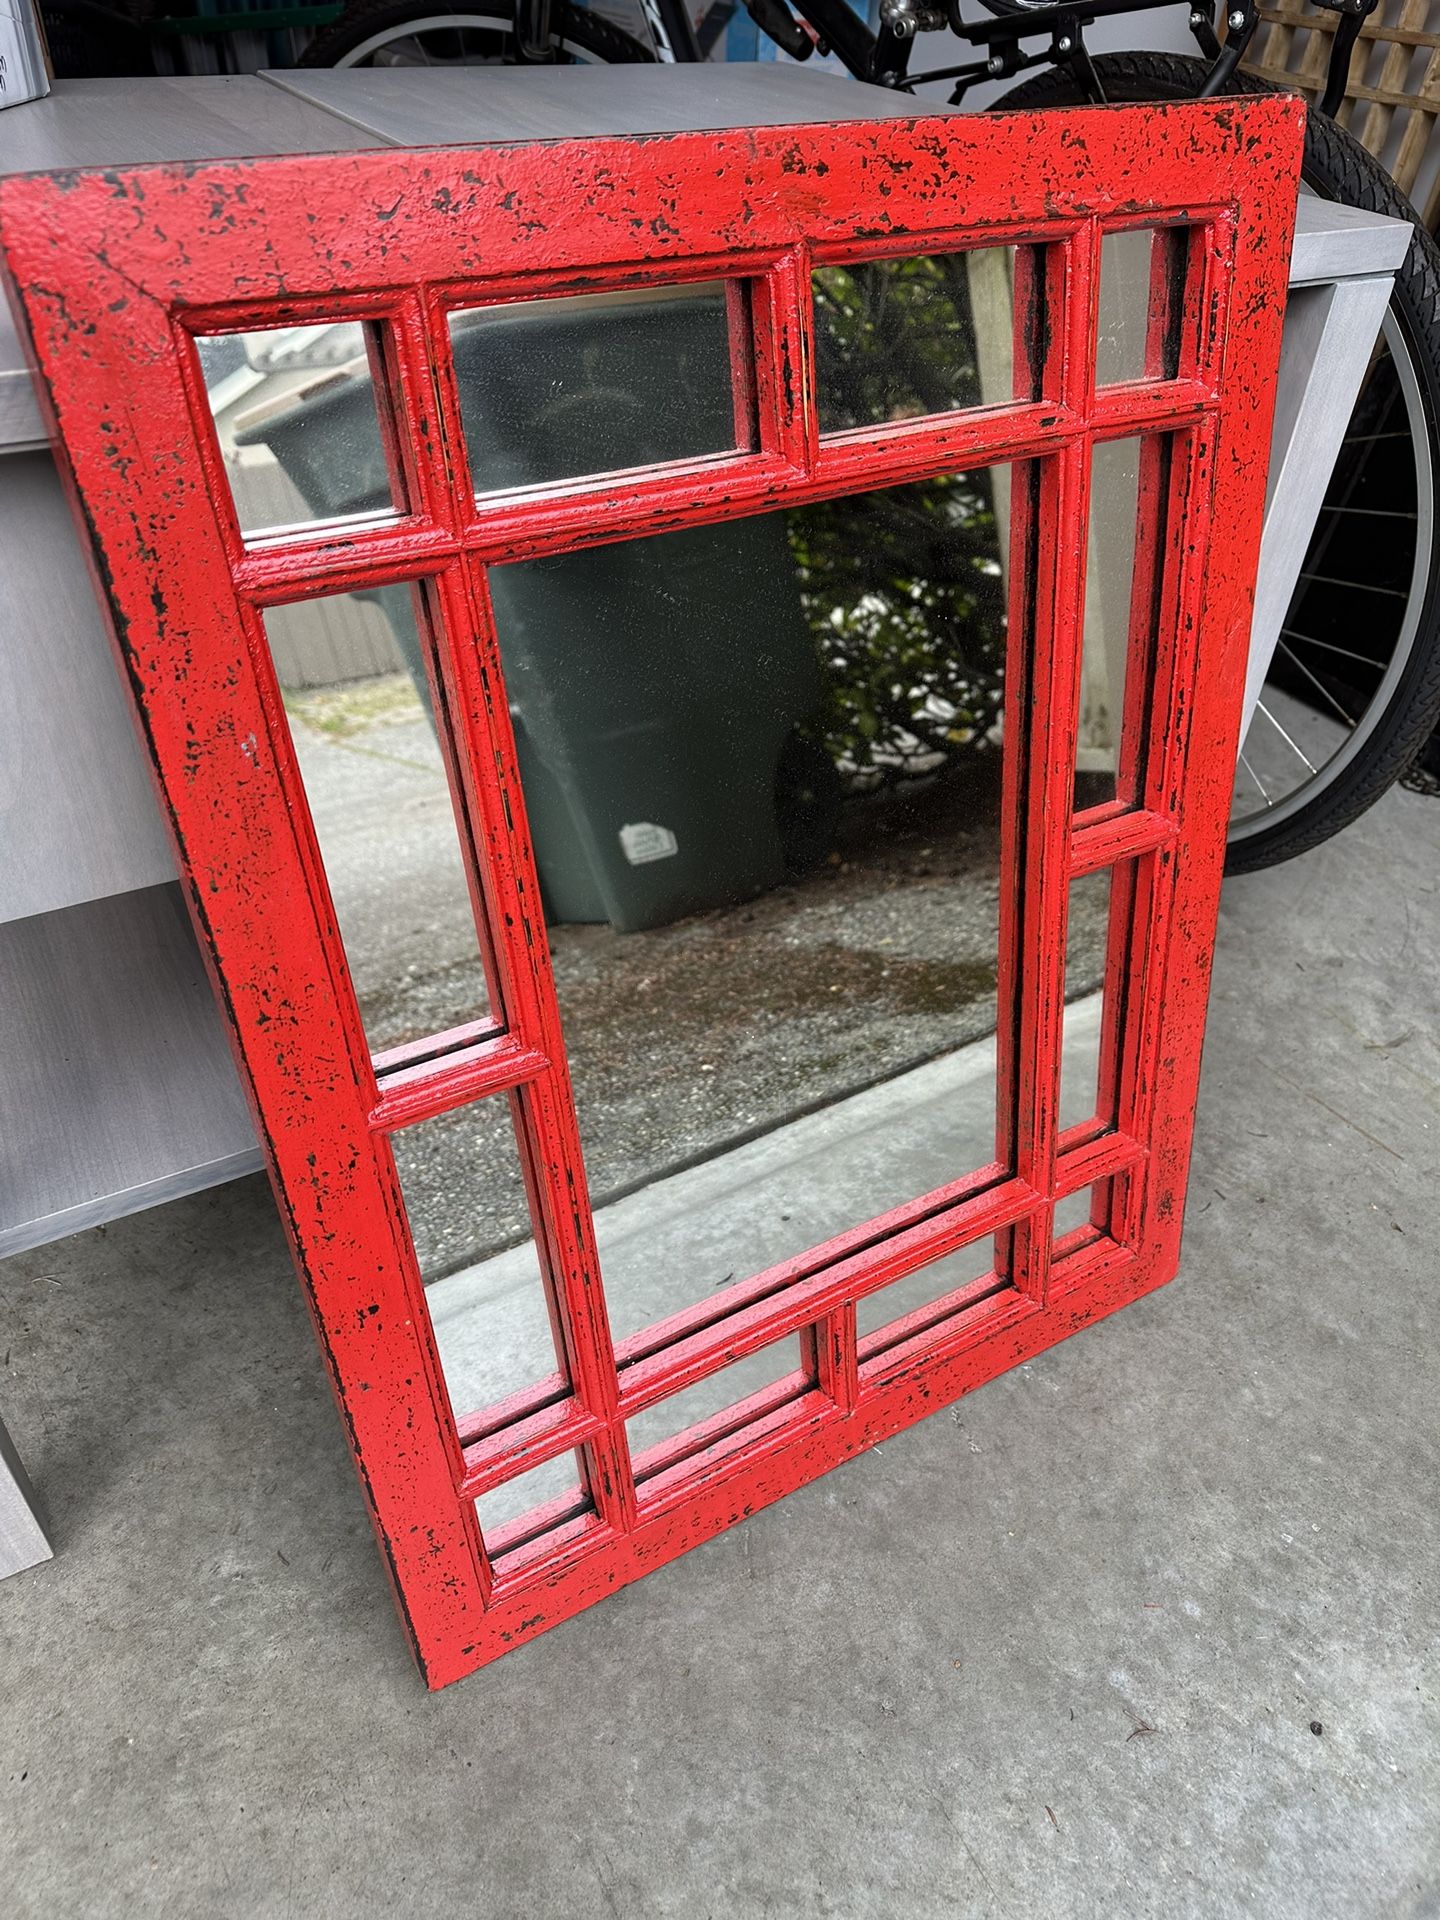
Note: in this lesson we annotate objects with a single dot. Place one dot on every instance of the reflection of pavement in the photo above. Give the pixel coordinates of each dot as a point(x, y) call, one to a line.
point(687, 1039)
point(381, 807)
point(682, 1238)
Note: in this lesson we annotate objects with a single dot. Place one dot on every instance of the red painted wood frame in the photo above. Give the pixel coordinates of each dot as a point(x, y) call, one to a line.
point(117, 272)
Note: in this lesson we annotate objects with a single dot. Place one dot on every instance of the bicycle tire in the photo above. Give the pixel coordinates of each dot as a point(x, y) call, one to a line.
point(1338, 168)
point(365, 20)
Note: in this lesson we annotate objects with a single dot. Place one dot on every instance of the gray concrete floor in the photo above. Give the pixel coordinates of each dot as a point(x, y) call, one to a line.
point(1057, 1651)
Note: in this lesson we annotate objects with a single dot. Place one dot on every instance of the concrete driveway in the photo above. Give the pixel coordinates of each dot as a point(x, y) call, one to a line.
point(1146, 1627)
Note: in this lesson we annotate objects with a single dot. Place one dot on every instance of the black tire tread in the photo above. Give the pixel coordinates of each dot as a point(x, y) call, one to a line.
point(1349, 174)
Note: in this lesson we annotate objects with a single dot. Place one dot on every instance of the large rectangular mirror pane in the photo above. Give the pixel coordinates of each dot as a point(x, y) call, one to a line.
point(353, 680)
point(761, 762)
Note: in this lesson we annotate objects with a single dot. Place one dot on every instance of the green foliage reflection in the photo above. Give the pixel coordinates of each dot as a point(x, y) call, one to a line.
point(903, 590)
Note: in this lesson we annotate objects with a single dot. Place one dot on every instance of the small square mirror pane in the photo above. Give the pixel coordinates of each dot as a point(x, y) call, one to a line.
point(295, 414)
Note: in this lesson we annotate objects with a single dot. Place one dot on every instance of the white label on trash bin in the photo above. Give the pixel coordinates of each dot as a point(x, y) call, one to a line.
point(644, 841)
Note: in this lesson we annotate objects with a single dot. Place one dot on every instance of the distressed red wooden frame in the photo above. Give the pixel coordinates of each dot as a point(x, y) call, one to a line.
point(115, 274)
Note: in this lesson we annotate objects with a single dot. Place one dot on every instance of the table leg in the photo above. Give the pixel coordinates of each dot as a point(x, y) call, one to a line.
point(22, 1538)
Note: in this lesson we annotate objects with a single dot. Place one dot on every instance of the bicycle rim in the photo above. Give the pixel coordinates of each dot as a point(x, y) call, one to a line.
point(1340, 718)
point(1280, 774)
point(446, 40)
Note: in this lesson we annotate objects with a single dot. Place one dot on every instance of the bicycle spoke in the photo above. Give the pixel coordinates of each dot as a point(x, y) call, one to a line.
point(1260, 707)
point(1373, 513)
point(1259, 783)
point(1356, 586)
point(1316, 682)
point(1328, 646)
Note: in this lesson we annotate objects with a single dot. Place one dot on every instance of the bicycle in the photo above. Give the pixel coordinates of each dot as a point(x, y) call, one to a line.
point(1372, 564)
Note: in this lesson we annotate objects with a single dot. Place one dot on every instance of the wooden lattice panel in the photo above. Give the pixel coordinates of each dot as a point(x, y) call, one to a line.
point(1392, 99)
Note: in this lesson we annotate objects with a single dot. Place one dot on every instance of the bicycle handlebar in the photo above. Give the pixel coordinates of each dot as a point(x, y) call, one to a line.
point(883, 59)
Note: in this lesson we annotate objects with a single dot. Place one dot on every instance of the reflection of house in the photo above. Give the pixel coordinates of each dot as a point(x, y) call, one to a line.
point(253, 377)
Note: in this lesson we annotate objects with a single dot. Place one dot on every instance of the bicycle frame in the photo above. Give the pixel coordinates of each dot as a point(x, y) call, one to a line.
point(883, 59)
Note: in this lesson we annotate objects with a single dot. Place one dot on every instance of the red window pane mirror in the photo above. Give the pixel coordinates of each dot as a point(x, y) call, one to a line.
point(696, 694)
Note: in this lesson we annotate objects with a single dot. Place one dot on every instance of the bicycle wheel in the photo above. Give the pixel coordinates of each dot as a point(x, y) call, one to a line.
point(1354, 689)
point(410, 33)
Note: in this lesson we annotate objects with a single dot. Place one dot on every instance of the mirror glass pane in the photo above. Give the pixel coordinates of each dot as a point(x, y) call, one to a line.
point(1124, 306)
point(895, 339)
point(295, 415)
point(352, 678)
point(761, 763)
point(491, 1318)
point(1134, 267)
point(598, 383)
point(1077, 1213)
point(723, 1393)
point(762, 769)
point(1128, 485)
point(902, 1309)
point(1085, 941)
point(560, 1479)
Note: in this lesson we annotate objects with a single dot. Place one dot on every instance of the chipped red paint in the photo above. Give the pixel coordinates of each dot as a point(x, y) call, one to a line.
point(114, 272)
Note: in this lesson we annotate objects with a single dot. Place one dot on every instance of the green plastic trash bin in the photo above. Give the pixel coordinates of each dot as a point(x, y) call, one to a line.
point(657, 685)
